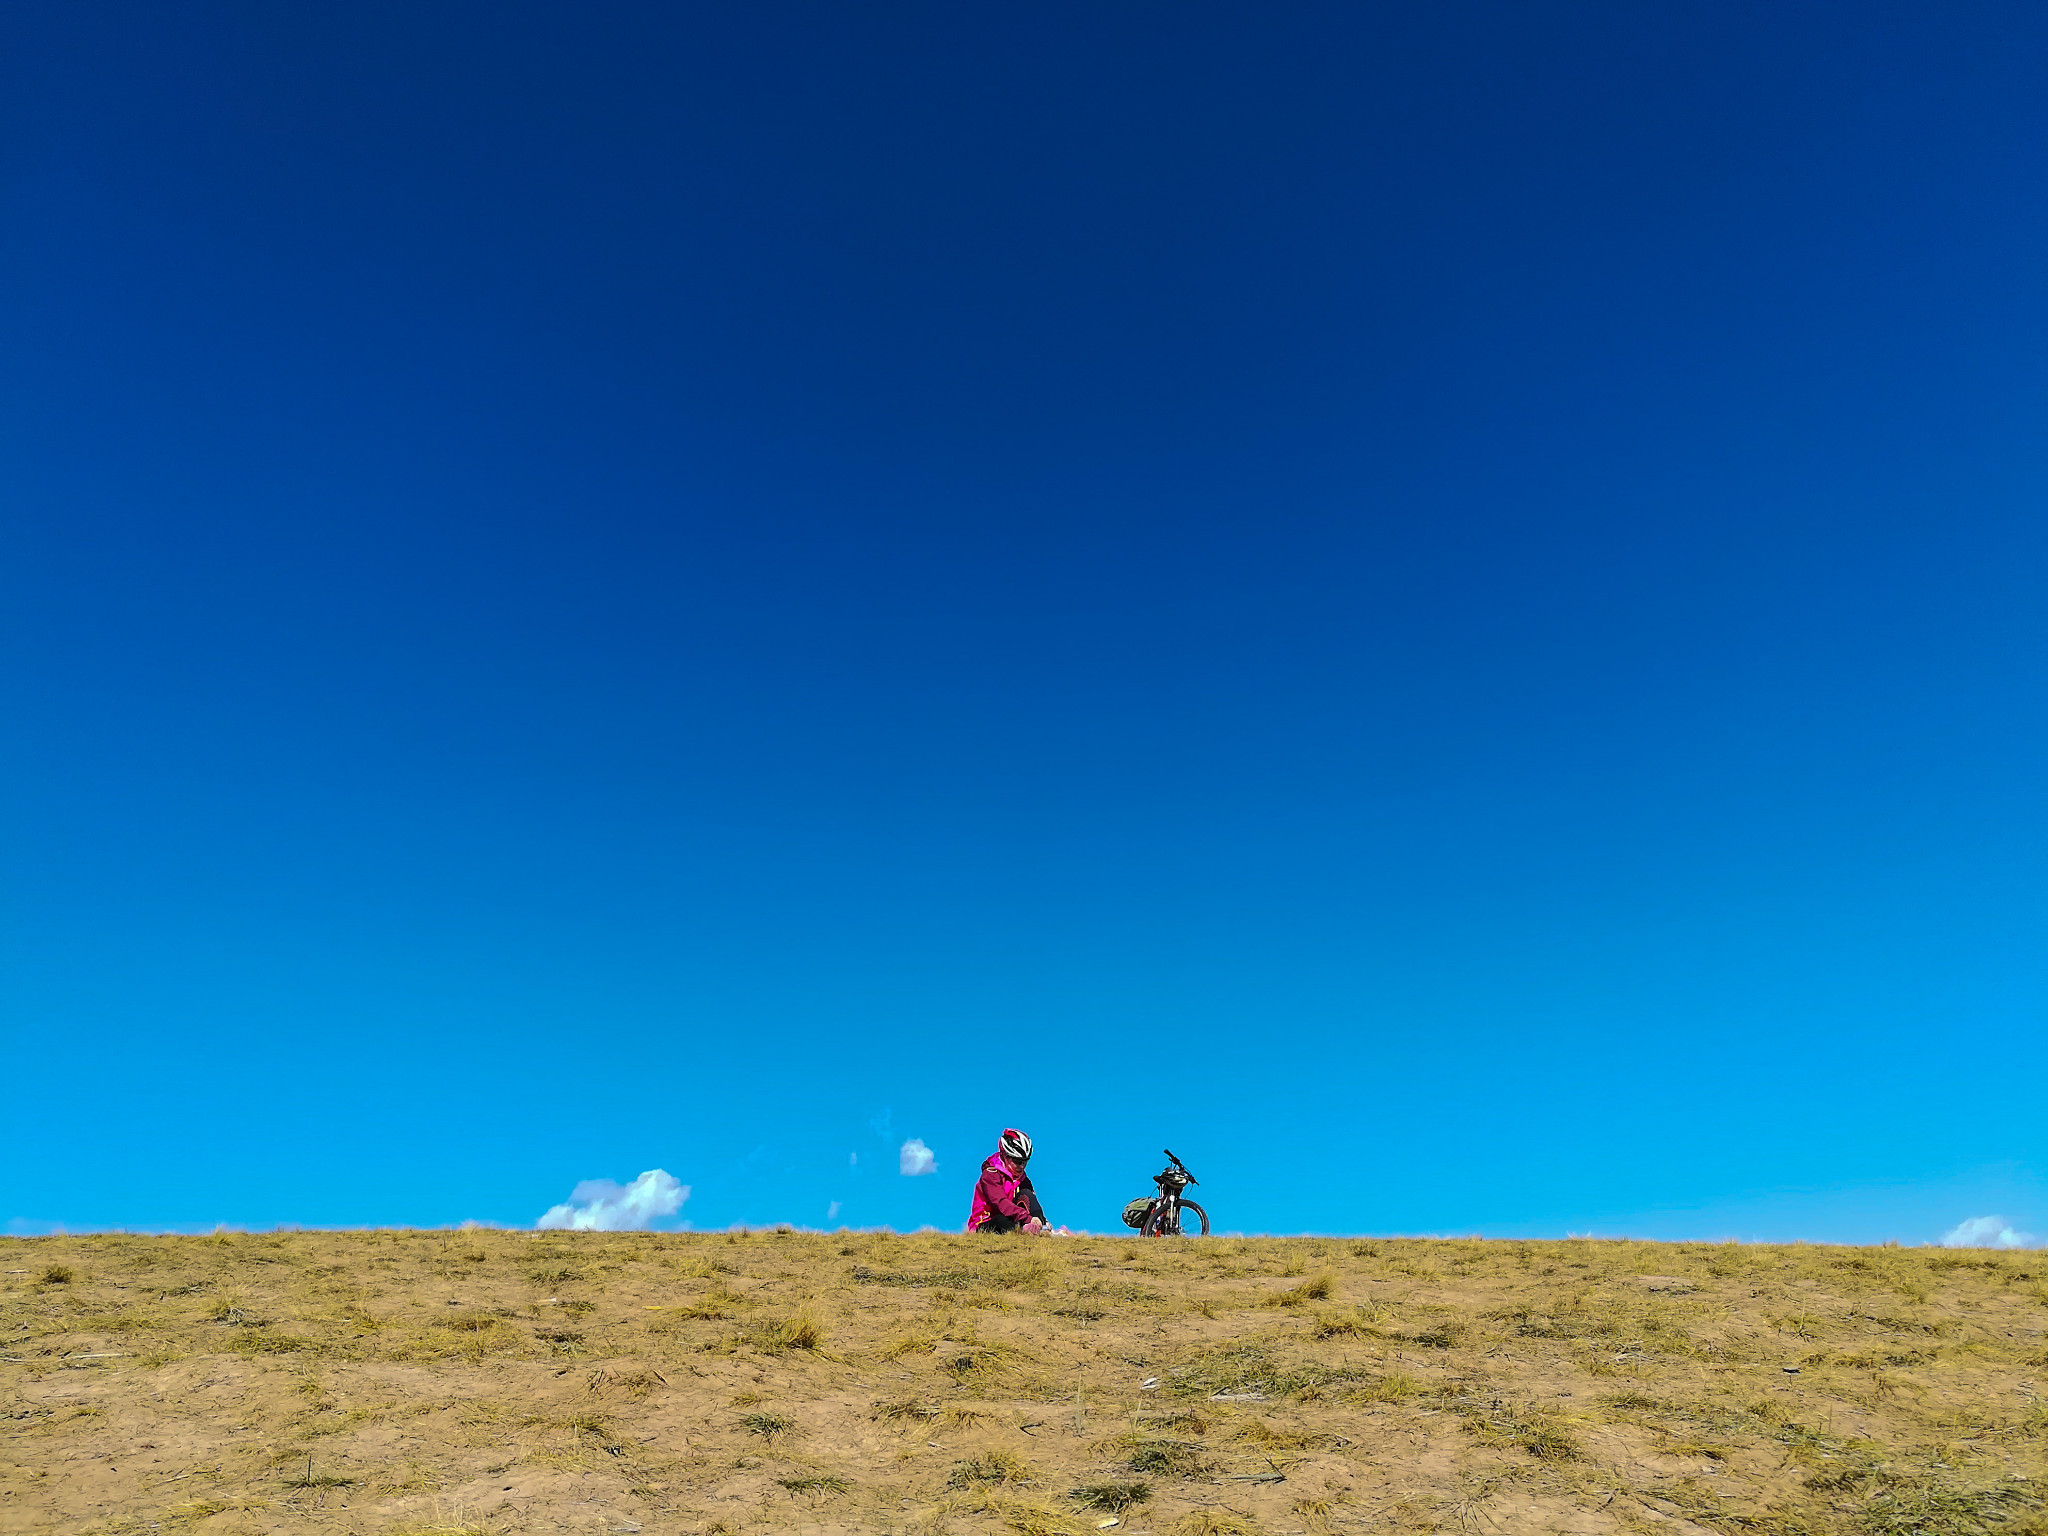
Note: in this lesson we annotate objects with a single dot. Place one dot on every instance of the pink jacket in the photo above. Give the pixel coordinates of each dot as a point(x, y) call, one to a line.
point(997, 1192)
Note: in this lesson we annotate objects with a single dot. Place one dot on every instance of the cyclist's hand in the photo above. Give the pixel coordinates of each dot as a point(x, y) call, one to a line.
point(1034, 1225)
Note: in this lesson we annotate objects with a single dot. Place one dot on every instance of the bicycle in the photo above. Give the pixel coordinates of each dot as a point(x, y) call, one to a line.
point(1166, 1214)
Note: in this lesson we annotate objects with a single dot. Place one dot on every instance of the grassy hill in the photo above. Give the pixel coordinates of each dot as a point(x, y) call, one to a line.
point(498, 1381)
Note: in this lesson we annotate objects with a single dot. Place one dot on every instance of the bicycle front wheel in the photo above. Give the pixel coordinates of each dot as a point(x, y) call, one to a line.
point(1190, 1221)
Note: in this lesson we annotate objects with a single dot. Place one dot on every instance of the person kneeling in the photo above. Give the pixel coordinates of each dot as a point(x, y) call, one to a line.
point(1004, 1200)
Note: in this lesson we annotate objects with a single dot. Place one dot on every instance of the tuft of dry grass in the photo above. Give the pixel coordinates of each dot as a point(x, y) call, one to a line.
point(1540, 1433)
point(901, 1409)
point(1442, 1335)
point(1168, 1458)
point(990, 1468)
point(1115, 1498)
point(1393, 1387)
point(908, 1344)
point(1354, 1324)
point(802, 1329)
point(1319, 1287)
point(1212, 1522)
point(816, 1483)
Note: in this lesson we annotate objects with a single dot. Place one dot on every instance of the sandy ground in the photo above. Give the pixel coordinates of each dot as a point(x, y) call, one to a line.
point(508, 1382)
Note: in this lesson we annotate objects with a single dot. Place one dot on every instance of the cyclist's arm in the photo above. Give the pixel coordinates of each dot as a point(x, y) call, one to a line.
point(999, 1187)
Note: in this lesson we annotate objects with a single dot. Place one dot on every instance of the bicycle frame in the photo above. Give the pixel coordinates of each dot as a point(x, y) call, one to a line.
point(1164, 1216)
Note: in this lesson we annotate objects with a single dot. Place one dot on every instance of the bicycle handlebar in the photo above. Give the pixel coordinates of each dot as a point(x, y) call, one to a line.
point(1183, 1167)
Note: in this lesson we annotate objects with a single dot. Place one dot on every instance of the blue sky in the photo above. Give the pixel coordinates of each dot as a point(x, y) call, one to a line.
point(1438, 607)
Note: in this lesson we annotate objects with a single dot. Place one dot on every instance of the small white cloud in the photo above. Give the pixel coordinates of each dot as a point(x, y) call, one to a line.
point(1987, 1232)
point(853, 1159)
point(599, 1205)
point(832, 1210)
point(916, 1158)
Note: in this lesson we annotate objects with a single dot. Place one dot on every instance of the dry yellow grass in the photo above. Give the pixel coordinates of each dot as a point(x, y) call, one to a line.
point(505, 1382)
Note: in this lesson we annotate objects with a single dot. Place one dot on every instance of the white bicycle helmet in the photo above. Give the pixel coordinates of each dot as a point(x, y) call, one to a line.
point(1015, 1145)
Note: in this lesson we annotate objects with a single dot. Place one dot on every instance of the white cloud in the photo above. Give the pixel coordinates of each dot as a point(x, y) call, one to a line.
point(1987, 1232)
point(853, 1159)
point(832, 1210)
point(599, 1205)
point(916, 1158)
